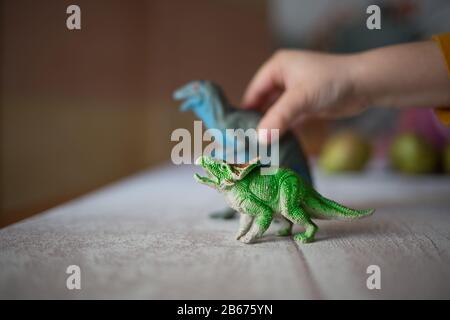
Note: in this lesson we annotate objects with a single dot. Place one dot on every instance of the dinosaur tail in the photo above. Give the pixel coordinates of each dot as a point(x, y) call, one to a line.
point(320, 207)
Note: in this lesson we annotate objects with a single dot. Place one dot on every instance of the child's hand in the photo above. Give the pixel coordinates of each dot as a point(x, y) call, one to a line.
point(294, 85)
point(303, 84)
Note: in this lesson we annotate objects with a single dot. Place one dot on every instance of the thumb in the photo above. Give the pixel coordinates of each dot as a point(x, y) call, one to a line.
point(280, 116)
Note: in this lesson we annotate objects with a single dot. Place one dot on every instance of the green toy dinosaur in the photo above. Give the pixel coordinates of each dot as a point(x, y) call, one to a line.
point(282, 194)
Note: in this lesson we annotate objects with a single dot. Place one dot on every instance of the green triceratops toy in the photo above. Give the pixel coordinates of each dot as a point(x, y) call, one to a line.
point(282, 194)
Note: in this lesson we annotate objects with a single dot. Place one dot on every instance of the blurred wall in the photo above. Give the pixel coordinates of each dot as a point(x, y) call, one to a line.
point(80, 109)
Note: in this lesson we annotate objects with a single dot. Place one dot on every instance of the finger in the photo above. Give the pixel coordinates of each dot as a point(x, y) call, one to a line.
point(268, 100)
point(266, 82)
point(301, 119)
point(281, 115)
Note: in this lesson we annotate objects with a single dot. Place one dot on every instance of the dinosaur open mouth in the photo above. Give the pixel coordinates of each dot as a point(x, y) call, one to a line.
point(206, 179)
point(210, 178)
point(182, 93)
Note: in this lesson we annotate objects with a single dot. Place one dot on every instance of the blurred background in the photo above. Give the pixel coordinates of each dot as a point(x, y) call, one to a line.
point(83, 108)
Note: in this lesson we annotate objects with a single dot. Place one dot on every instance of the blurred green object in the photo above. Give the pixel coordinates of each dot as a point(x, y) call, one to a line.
point(411, 154)
point(446, 158)
point(345, 151)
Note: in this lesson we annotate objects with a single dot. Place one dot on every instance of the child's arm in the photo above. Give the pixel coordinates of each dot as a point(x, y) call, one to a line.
point(409, 75)
point(298, 84)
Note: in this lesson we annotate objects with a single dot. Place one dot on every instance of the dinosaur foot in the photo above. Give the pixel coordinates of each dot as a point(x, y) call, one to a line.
point(239, 235)
point(303, 238)
point(246, 239)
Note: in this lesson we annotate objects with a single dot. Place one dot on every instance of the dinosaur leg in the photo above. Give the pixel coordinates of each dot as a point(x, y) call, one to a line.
point(245, 223)
point(262, 220)
point(310, 228)
point(226, 213)
point(286, 227)
point(291, 210)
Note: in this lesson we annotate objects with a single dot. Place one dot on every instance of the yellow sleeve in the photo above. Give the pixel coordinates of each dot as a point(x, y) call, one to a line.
point(443, 41)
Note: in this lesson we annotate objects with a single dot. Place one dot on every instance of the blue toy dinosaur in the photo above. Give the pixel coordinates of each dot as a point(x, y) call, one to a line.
point(210, 105)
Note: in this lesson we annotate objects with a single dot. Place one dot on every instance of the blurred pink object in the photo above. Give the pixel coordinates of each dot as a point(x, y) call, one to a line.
point(423, 121)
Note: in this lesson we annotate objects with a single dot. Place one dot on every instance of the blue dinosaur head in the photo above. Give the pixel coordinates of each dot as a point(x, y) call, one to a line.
point(206, 100)
point(196, 95)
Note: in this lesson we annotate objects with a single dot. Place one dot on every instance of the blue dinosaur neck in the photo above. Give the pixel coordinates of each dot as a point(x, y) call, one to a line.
point(214, 112)
point(208, 118)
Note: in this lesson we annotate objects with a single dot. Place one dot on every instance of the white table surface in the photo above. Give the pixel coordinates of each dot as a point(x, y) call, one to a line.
point(149, 237)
